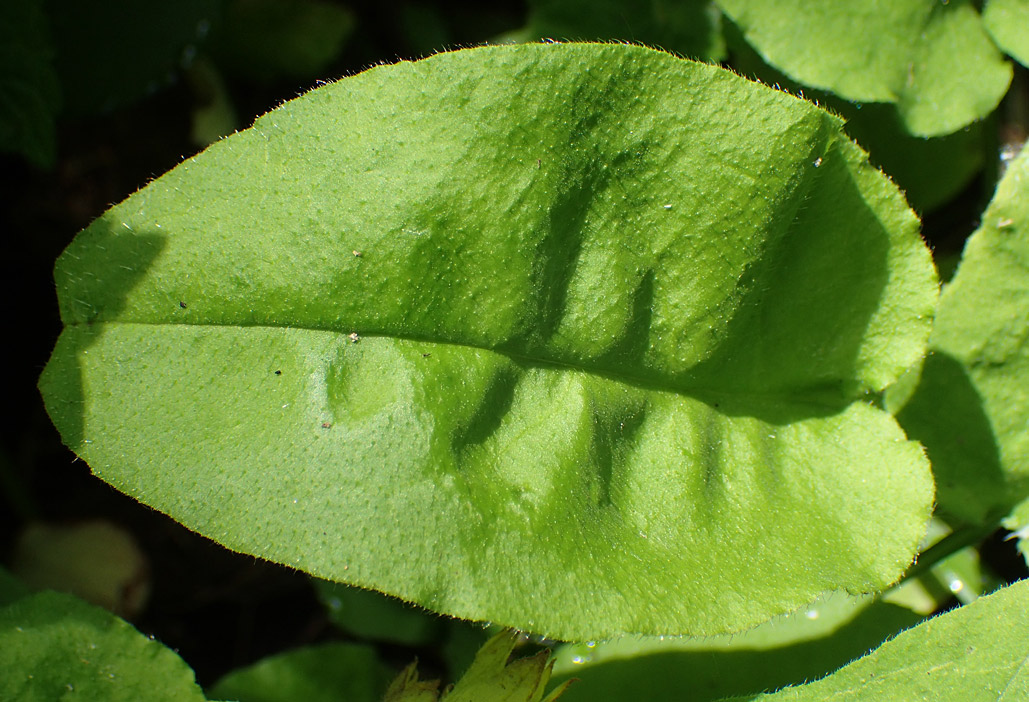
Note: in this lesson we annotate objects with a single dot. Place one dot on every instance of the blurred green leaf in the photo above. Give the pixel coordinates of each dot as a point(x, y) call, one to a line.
point(333, 672)
point(933, 60)
point(976, 653)
point(1007, 21)
point(55, 646)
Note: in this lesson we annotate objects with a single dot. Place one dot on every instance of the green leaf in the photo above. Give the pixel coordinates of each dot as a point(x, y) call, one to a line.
point(978, 652)
point(805, 645)
point(325, 673)
point(933, 60)
point(1007, 21)
point(54, 646)
point(564, 337)
point(30, 94)
point(687, 27)
point(971, 406)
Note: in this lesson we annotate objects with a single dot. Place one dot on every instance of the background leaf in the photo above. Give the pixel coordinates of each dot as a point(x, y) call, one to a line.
point(333, 672)
point(514, 352)
point(53, 646)
point(935, 61)
point(964, 654)
point(810, 643)
point(971, 406)
point(1007, 21)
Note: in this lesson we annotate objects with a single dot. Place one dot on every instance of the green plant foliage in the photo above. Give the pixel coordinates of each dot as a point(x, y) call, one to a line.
point(966, 654)
point(1007, 21)
point(971, 405)
point(564, 337)
point(113, 52)
point(331, 672)
point(492, 677)
point(933, 60)
point(30, 94)
point(55, 646)
point(272, 39)
point(687, 27)
point(806, 645)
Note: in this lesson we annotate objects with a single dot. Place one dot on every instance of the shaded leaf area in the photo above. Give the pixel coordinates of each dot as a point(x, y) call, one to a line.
point(929, 171)
point(512, 351)
point(973, 653)
point(971, 406)
point(30, 94)
point(934, 61)
point(803, 646)
point(54, 646)
point(324, 673)
point(691, 28)
point(113, 52)
point(1007, 21)
point(267, 40)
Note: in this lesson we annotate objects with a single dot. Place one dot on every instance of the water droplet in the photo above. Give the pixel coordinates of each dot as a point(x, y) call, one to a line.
point(956, 586)
point(668, 207)
point(335, 603)
point(591, 644)
point(818, 162)
point(578, 660)
point(811, 614)
point(71, 688)
point(294, 501)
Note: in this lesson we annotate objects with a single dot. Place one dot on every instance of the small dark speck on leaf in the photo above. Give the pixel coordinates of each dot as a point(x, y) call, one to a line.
point(357, 254)
point(326, 425)
point(182, 304)
point(278, 372)
point(426, 355)
point(354, 338)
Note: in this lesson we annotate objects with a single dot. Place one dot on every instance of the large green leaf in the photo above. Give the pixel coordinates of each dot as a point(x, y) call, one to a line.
point(934, 60)
point(971, 405)
point(565, 337)
point(55, 646)
point(978, 652)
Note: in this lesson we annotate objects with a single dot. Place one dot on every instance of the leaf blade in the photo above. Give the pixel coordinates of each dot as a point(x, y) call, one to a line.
point(600, 366)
